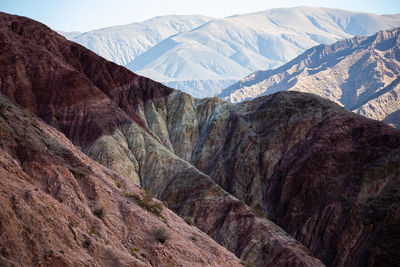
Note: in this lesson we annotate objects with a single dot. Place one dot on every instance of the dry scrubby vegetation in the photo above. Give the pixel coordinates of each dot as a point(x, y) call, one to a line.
point(161, 235)
point(99, 213)
point(147, 203)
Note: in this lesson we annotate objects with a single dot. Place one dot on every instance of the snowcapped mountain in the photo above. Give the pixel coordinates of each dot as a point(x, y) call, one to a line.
point(122, 44)
point(209, 54)
point(362, 74)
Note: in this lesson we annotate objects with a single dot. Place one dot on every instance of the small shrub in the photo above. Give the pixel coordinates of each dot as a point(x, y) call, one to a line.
point(259, 212)
point(99, 213)
point(247, 264)
point(72, 224)
point(87, 243)
point(118, 184)
point(265, 251)
point(134, 251)
point(305, 249)
point(188, 220)
point(194, 238)
point(128, 195)
point(94, 232)
point(77, 172)
point(147, 203)
point(161, 235)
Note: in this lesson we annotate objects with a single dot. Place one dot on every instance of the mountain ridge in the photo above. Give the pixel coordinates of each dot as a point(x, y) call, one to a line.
point(359, 73)
point(230, 48)
point(106, 111)
point(327, 176)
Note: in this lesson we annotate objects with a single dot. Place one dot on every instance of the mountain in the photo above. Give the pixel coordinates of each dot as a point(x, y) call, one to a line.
point(361, 73)
point(204, 59)
point(122, 44)
point(60, 208)
point(69, 35)
point(106, 111)
point(327, 176)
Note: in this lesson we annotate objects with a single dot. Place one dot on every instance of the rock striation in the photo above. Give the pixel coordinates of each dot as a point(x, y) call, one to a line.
point(98, 106)
point(328, 177)
point(60, 208)
point(238, 172)
point(361, 73)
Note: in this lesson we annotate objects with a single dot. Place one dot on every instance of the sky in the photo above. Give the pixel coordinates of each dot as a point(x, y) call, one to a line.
point(85, 15)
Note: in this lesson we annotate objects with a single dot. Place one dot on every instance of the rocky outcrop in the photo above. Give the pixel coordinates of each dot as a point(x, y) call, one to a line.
point(327, 176)
point(60, 208)
point(359, 73)
point(99, 106)
point(303, 162)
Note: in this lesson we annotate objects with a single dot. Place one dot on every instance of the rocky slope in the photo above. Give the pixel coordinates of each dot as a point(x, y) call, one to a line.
point(202, 59)
point(96, 104)
point(327, 176)
point(361, 73)
point(60, 208)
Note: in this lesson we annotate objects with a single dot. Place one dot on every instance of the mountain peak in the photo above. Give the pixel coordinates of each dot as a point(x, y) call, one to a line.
point(211, 53)
point(359, 73)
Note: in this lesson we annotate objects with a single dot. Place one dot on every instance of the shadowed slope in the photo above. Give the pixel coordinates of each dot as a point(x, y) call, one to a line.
point(99, 106)
point(60, 208)
point(306, 163)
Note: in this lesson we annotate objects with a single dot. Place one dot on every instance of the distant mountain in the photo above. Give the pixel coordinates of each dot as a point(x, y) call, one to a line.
point(121, 44)
point(203, 56)
point(361, 73)
point(69, 35)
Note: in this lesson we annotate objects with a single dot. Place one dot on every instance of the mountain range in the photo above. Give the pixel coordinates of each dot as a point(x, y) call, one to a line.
point(361, 74)
point(202, 56)
point(288, 179)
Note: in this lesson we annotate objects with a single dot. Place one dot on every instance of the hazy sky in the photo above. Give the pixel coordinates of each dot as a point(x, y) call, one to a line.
point(84, 15)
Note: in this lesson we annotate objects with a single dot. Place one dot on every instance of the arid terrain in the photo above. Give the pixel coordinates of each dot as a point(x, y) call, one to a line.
point(289, 179)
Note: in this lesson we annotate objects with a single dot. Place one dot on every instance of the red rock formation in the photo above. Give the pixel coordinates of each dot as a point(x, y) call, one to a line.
point(97, 105)
point(327, 176)
point(60, 208)
point(65, 84)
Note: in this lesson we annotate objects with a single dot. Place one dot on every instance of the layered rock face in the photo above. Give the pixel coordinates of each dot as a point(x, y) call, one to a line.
point(327, 176)
point(60, 208)
point(359, 73)
point(97, 105)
